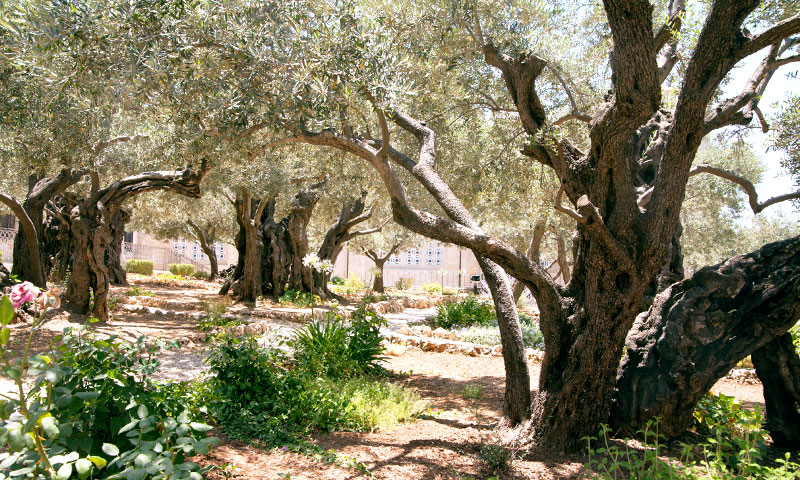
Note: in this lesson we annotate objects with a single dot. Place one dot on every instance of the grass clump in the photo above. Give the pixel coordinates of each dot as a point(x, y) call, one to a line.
point(182, 269)
point(137, 291)
point(142, 267)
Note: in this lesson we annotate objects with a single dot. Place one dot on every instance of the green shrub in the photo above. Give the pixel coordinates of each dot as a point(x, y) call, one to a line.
point(200, 275)
point(465, 313)
point(262, 395)
point(497, 458)
point(100, 410)
point(432, 287)
point(531, 335)
point(182, 269)
point(330, 347)
point(337, 280)
point(736, 427)
point(374, 297)
point(404, 283)
point(300, 299)
point(142, 267)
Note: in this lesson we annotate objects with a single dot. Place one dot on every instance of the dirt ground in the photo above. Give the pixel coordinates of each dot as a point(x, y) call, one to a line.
point(445, 443)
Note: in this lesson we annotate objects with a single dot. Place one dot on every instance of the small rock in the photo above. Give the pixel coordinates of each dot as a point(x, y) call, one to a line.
point(441, 333)
point(497, 351)
point(404, 330)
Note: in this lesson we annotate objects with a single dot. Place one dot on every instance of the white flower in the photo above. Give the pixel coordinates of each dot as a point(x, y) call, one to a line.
point(325, 266)
point(311, 260)
point(377, 272)
point(442, 271)
point(462, 272)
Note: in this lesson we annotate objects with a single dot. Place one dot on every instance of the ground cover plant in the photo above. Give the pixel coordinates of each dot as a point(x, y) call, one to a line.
point(333, 381)
point(476, 322)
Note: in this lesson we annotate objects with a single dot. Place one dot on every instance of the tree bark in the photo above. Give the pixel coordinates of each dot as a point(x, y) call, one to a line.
point(341, 232)
point(302, 207)
point(517, 397)
point(206, 237)
point(778, 367)
point(32, 263)
point(116, 273)
point(699, 328)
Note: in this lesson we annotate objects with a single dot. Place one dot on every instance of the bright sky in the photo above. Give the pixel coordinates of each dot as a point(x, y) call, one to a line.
point(776, 181)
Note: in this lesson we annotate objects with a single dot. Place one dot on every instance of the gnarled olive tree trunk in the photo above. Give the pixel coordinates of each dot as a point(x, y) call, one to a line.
point(117, 275)
point(31, 261)
point(301, 209)
point(91, 231)
point(699, 328)
point(341, 232)
point(246, 283)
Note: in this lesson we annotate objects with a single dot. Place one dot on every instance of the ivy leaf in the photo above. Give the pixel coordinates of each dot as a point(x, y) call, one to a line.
point(110, 449)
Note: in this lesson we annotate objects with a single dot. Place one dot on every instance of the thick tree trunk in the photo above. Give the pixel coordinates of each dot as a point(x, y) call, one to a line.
point(778, 367)
point(116, 273)
point(699, 328)
point(31, 262)
point(302, 207)
point(91, 231)
point(377, 282)
point(246, 284)
point(517, 398)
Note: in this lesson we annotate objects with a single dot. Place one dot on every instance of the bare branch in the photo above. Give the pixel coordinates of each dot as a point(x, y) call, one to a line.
point(746, 185)
point(772, 35)
point(100, 146)
point(566, 210)
point(385, 139)
point(276, 143)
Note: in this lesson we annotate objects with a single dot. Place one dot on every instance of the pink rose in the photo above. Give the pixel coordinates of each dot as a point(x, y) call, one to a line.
point(23, 292)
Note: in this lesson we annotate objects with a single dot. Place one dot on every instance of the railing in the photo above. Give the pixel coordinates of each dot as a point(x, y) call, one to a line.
point(7, 243)
point(160, 256)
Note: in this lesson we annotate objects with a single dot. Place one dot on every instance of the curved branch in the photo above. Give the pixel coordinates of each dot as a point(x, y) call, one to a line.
point(31, 238)
point(772, 35)
point(746, 185)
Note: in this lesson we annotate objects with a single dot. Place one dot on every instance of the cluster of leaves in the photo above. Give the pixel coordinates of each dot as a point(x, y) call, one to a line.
point(93, 410)
point(723, 416)
point(375, 297)
point(335, 280)
point(432, 287)
point(720, 459)
point(352, 286)
point(263, 394)
point(298, 298)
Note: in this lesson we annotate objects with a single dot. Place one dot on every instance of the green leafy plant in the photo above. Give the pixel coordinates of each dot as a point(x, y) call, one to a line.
point(374, 298)
point(298, 298)
point(465, 313)
point(182, 269)
point(92, 407)
point(404, 283)
point(432, 287)
point(497, 458)
point(201, 275)
point(142, 267)
point(337, 280)
point(331, 347)
point(610, 461)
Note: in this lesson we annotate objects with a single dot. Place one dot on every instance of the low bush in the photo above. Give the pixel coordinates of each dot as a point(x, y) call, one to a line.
point(262, 394)
point(531, 335)
point(330, 347)
point(142, 267)
point(337, 280)
point(300, 299)
point(375, 297)
point(465, 313)
point(182, 269)
point(201, 275)
point(404, 283)
point(432, 287)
